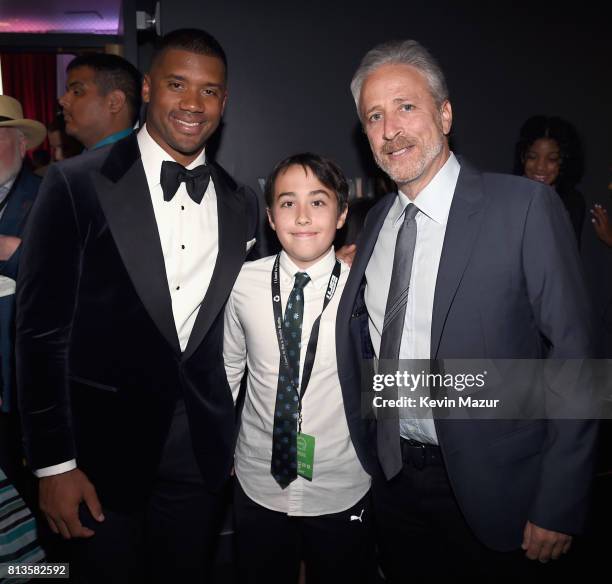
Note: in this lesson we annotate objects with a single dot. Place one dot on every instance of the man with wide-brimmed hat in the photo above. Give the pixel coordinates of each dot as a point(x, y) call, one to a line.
point(18, 189)
point(17, 186)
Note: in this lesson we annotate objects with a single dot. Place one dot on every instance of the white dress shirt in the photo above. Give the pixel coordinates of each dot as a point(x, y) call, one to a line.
point(339, 480)
point(189, 236)
point(434, 203)
point(189, 239)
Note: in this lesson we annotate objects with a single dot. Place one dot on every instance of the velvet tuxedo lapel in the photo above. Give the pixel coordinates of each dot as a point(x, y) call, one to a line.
point(122, 190)
point(464, 221)
point(231, 255)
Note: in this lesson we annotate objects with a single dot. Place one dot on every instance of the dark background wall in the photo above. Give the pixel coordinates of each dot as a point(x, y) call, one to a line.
point(291, 64)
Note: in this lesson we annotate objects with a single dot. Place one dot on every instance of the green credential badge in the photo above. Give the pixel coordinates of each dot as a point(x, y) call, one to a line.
point(305, 455)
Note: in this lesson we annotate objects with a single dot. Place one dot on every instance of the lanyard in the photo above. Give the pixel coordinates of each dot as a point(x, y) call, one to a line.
point(314, 333)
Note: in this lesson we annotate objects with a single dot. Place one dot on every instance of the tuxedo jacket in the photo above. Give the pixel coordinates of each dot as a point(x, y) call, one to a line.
point(99, 363)
point(509, 286)
point(20, 200)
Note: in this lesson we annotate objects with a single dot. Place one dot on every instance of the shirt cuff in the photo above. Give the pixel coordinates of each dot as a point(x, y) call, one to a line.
point(56, 469)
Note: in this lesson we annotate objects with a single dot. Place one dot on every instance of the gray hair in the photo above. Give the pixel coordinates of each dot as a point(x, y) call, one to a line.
point(407, 52)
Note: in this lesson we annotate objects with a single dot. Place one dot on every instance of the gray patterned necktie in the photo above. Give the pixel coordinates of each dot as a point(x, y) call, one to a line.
point(284, 438)
point(388, 436)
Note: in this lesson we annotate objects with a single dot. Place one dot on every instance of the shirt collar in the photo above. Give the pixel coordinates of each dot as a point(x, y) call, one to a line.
point(152, 155)
point(436, 198)
point(319, 272)
point(7, 186)
point(112, 138)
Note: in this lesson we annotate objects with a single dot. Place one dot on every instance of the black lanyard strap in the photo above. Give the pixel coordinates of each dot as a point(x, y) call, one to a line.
point(311, 350)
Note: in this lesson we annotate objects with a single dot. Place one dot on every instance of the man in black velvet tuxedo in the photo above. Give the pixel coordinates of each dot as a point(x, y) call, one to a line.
point(460, 264)
point(131, 254)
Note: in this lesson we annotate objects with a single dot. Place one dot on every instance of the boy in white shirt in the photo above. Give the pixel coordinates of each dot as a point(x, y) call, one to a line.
point(301, 492)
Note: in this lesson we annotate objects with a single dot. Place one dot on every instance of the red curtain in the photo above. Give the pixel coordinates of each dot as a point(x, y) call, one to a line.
point(31, 79)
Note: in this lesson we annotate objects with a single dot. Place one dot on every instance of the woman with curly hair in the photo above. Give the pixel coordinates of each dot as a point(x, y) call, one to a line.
point(549, 151)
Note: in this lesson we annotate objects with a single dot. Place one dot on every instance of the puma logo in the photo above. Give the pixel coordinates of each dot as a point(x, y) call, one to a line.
point(357, 517)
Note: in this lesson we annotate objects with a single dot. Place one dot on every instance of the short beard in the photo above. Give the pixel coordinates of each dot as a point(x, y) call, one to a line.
point(415, 170)
point(6, 174)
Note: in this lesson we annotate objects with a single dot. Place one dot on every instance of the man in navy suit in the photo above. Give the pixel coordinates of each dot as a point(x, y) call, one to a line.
point(460, 264)
point(18, 189)
point(18, 186)
point(132, 251)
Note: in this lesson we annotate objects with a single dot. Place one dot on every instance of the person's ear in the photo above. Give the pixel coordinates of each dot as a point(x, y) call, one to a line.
point(146, 88)
point(224, 102)
point(270, 218)
point(342, 218)
point(116, 101)
point(22, 145)
point(446, 114)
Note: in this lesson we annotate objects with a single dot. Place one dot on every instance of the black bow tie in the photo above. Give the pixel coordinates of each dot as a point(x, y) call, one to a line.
point(196, 180)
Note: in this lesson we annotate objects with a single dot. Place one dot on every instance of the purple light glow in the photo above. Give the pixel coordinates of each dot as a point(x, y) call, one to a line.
point(61, 16)
point(79, 25)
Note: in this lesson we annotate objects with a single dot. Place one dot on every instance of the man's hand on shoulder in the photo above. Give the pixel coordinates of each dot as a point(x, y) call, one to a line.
point(59, 498)
point(8, 246)
point(543, 544)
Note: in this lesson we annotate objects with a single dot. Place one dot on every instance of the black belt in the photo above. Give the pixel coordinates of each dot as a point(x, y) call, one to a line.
point(419, 455)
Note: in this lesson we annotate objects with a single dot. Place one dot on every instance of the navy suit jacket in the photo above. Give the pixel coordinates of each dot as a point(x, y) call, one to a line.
point(99, 363)
point(20, 200)
point(509, 286)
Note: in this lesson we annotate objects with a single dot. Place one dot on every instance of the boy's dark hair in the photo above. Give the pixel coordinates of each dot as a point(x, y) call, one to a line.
point(193, 40)
point(325, 169)
point(113, 72)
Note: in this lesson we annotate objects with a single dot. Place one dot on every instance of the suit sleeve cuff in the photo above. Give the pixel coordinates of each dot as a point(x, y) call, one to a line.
point(56, 469)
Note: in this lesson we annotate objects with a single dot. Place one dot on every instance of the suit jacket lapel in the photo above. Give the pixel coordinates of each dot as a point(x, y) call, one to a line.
point(231, 255)
point(11, 216)
point(20, 199)
point(463, 226)
point(124, 196)
point(365, 248)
